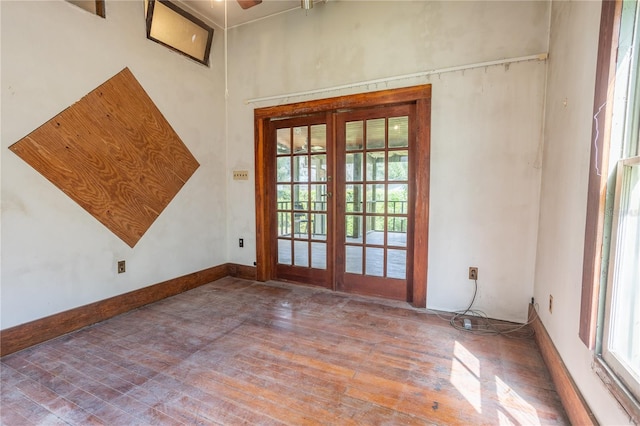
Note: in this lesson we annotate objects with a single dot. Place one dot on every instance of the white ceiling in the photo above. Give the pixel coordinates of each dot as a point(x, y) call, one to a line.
point(213, 10)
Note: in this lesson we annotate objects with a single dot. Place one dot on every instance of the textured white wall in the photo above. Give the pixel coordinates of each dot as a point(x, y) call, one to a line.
point(569, 118)
point(55, 256)
point(486, 127)
point(486, 124)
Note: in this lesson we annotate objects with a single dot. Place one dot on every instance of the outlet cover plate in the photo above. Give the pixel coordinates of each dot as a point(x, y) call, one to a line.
point(240, 175)
point(473, 273)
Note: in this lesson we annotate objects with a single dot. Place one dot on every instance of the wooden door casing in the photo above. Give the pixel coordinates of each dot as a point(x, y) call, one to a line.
point(264, 174)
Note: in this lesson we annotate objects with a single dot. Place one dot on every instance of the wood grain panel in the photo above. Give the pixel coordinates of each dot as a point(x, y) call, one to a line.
point(422, 166)
point(113, 153)
point(22, 336)
point(264, 262)
point(598, 167)
point(574, 404)
point(360, 100)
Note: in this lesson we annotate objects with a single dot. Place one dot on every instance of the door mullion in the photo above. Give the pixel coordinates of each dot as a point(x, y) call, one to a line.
point(332, 199)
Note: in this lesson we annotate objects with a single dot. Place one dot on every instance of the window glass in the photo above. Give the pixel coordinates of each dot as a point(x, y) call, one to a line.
point(622, 337)
point(375, 133)
point(354, 135)
point(619, 326)
point(398, 132)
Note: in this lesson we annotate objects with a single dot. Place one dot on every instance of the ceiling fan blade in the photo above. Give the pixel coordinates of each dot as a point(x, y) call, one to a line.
point(246, 4)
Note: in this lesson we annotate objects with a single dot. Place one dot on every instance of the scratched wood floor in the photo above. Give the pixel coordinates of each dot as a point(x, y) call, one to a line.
point(239, 352)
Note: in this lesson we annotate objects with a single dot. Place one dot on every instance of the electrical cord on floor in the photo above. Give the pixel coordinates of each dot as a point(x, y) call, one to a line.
point(481, 324)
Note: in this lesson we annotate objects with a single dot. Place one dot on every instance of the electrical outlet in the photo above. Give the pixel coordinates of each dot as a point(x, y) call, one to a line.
point(473, 273)
point(241, 242)
point(121, 266)
point(550, 304)
point(240, 175)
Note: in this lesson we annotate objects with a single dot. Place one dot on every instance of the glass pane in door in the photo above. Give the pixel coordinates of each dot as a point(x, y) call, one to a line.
point(300, 139)
point(284, 252)
point(375, 133)
point(318, 195)
point(398, 194)
point(319, 167)
point(284, 169)
point(302, 196)
point(319, 138)
point(375, 261)
point(375, 198)
point(354, 165)
point(319, 255)
point(301, 251)
point(353, 198)
point(376, 165)
point(398, 132)
point(398, 165)
point(319, 226)
point(283, 140)
point(397, 231)
point(300, 168)
point(396, 263)
point(354, 135)
point(284, 196)
point(353, 262)
point(376, 189)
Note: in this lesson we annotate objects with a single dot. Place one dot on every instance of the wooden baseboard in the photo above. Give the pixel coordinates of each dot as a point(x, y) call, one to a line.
point(242, 271)
point(22, 336)
point(574, 404)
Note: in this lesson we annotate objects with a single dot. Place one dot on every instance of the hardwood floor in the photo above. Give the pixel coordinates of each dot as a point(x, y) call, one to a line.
point(240, 352)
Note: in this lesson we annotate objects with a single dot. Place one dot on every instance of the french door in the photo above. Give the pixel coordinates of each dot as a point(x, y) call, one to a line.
point(342, 193)
point(303, 208)
point(373, 203)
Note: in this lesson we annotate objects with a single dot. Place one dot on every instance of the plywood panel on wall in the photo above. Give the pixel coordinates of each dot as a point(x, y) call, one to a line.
point(115, 154)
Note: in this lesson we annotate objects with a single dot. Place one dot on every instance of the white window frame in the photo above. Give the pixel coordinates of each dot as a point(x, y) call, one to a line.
point(617, 364)
point(623, 154)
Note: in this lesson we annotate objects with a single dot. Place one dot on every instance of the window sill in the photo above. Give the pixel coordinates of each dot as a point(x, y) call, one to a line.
point(628, 402)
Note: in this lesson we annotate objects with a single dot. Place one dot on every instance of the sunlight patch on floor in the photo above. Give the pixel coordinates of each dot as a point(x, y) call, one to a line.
point(465, 375)
point(516, 407)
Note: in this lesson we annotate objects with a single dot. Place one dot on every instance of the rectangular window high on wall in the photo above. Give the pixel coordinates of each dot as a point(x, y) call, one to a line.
point(611, 279)
point(92, 6)
point(173, 27)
